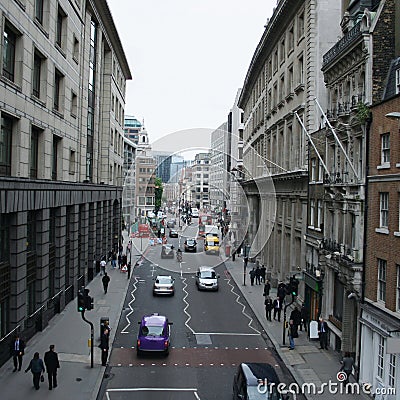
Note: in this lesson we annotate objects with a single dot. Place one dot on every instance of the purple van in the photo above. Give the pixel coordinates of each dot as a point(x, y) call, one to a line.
point(154, 334)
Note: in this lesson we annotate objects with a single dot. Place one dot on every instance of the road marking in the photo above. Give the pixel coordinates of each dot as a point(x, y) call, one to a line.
point(152, 390)
point(129, 305)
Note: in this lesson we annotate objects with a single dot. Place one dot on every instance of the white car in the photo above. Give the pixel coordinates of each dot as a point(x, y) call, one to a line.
point(163, 284)
point(195, 213)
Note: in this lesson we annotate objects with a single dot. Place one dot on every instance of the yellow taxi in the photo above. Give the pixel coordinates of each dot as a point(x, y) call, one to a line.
point(211, 244)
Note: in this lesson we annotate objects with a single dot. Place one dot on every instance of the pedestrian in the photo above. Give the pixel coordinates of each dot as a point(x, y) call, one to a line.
point(277, 308)
point(268, 307)
point(104, 346)
point(347, 366)
point(106, 281)
point(267, 288)
point(114, 260)
point(246, 261)
point(291, 334)
point(119, 261)
point(252, 274)
point(281, 291)
point(304, 317)
point(128, 247)
point(124, 259)
point(120, 248)
point(17, 352)
point(36, 366)
point(263, 273)
point(258, 275)
point(129, 269)
point(103, 264)
point(52, 363)
point(322, 332)
point(295, 315)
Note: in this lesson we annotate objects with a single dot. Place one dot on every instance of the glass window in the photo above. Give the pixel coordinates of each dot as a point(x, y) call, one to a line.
point(392, 370)
point(34, 153)
point(9, 43)
point(312, 212)
point(37, 67)
point(5, 145)
point(39, 11)
point(384, 209)
point(59, 26)
point(300, 25)
point(385, 140)
point(382, 279)
point(381, 356)
point(313, 169)
point(398, 289)
point(57, 90)
point(319, 213)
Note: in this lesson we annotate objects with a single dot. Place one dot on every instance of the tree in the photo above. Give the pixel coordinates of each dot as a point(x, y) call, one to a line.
point(158, 191)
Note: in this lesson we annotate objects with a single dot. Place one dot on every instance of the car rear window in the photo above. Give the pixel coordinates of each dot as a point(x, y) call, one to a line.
point(212, 243)
point(151, 330)
point(163, 279)
point(207, 275)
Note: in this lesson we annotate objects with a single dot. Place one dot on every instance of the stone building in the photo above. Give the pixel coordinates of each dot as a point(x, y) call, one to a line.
point(62, 94)
point(277, 97)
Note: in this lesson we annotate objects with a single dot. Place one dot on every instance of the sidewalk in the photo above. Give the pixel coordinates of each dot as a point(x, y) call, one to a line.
point(306, 362)
point(70, 334)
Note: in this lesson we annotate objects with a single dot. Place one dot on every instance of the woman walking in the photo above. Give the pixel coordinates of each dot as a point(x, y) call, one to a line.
point(37, 368)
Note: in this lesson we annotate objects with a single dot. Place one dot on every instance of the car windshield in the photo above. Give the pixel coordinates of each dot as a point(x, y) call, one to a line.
point(212, 243)
point(152, 330)
point(190, 242)
point(163, 280)
point(207, 275)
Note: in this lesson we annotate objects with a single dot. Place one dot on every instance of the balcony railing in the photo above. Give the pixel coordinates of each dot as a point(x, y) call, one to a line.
point(344, 43)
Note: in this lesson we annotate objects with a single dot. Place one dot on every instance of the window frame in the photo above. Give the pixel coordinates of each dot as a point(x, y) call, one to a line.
point(5, 165)
point(385, 148)
point(9, 52)
point(384, 210)
point(34, 152)
point(382, 276)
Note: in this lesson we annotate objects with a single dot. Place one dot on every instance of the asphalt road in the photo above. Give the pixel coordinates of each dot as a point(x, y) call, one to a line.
point(212, 333)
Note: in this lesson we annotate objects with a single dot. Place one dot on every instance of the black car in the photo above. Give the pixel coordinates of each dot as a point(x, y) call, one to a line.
point(167, 251)
point(252, 382)
point(190, 245)
point(173, 233)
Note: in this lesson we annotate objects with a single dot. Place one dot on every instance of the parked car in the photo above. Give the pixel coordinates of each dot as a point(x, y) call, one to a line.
point(167, 251)
point(190, 245)
point(248, 378)
point(163, 284)
point(154, 334)
point(195, 213)
point(206, 279)
point(173, 233)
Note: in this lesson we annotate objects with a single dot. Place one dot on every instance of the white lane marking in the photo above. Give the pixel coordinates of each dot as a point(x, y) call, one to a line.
point(129, 305)
point(186, 306)
point(152, 390)
point(243, 306)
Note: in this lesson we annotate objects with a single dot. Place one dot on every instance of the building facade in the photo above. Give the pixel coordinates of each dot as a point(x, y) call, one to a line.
point(277, 99)
point(129, 184)
point(218, 177)
point(132, 128)
point(62, 91)
point(380, 302)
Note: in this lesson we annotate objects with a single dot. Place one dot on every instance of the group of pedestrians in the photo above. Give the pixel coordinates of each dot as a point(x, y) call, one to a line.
point(36, 365)
point(257, 275)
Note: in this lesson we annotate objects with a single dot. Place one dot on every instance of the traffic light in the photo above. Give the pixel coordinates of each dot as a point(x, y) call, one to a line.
point(81, 301)
point(294, 286)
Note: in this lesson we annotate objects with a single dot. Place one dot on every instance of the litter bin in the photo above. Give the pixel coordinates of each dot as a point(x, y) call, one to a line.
point(104, 323)
point(227, 250)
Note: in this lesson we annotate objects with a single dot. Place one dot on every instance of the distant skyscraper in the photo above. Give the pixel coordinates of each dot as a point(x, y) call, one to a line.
point(132, 127)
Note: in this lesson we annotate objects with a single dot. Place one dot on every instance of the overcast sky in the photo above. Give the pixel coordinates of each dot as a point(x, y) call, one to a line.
point(188, 58)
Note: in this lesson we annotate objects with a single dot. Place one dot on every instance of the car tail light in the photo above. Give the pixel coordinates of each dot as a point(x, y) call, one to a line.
point(166, 343)
point(138, 343)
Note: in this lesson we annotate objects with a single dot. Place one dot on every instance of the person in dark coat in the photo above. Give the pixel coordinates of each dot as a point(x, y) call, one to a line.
point(268, 307)
point(347, 366)
point(252, 274)
point(263, 273)
point(277, 308)
point(36, 366)
point(267, 288)
point(104, 346)
point(295, 315)
point(17, 352)
point(52, 363)
point(323, 333)
point(281, 291)
point(129, 267)
point(258, 275)
point(304, 317)
point(106, 281)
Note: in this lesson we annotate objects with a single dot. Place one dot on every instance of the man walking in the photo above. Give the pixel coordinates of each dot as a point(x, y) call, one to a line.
point(291, 334)
point(277, 308)
point(103, 264)
point(263, 273)
point(268, 307)
point(106, 281)
point(129, 269)
point(258, 275)
point(52, 363)
point(104, 346)
point(322, 331)
point(267, 288)
point(252, 274)
point(17, 351)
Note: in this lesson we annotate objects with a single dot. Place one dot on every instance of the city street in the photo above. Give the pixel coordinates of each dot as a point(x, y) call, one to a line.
point(212, 333)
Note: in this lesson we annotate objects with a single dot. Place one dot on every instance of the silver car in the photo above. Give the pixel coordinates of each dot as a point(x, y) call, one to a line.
point(207, 279)
point(163, 284)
